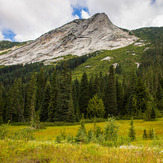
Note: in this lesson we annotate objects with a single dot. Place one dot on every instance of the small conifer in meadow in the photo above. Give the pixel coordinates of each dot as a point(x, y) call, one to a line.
point(132, 133)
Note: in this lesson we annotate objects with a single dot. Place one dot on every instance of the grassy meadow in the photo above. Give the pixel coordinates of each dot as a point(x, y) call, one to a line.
point(44, 148)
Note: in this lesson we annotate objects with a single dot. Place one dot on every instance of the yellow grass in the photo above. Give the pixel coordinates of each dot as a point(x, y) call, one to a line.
point(45, 149)
point(36, 151)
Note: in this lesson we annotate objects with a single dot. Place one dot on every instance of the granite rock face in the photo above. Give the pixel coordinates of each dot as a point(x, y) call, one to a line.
point(78, 37)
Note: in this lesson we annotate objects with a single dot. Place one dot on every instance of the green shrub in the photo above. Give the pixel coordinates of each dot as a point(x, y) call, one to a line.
point(111, 130)
point(58, 139)
point(132, 133)
point(151, 134)
point(24, 134)
point(4, 131)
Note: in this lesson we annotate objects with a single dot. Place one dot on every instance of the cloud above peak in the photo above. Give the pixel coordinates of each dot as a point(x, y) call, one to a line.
point(130, 14)
point(28, 19)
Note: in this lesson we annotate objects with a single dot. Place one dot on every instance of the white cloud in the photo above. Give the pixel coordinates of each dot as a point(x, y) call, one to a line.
point(1, 36)
point(31, 18)
point(76, 17)
point(84, 14)
point(129, 14)
point(78, 4)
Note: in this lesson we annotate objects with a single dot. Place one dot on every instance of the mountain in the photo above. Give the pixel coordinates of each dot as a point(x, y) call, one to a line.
point(78, 37)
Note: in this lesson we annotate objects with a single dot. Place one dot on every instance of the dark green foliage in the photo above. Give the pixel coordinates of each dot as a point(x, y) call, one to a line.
point(110, 94)
point(145, 134)
point(152, 34)
point(64, 107)
point(53, 97)
point(135, 92)
point(75, 96)
point(45, 103)
point(40, 83)
point(9, 44)
point(153, 114)
point(15, 104)
point(1, 103)
point(151, 134)
point(84, 94)
point(81, 135)
point(31, 100)
point(1, 120)
point(36, 124)
point(120, 96)
point(132, 134)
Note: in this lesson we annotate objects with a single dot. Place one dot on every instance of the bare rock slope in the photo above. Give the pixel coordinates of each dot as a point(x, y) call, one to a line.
point(77, 38)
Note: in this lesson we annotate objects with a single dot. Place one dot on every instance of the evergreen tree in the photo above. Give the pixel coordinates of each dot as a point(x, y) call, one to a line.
point(110, 94)
point(40, 89)
point(132, 134)
point(97, 85)
point(45, 103)
point(153, 113)
point(142, 95)
point(11, 112)
point(102, 86)
point(18, 104)
point(53, 97)
point(119, 93)
point(95, 107)
point(70, 112)
point(31, 100)
point(1, 104)
point(84, 94)
point(148, 110)
point(75, 95)
point(132, 99)
point(159, 93)
point(91, 87)
point(64, 108)
point(145, 134)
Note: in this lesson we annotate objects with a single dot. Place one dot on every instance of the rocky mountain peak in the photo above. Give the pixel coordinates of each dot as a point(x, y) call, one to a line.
point(78, 37)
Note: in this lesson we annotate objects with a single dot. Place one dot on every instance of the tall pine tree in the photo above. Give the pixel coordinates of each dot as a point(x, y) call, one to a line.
point(110, 94)
point(84, 94)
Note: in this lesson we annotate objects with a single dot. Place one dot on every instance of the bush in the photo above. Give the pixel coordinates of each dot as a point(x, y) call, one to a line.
point(111, 130)
point(58, 139)
point(4, 131)
point(151, 134)
point(24, 134)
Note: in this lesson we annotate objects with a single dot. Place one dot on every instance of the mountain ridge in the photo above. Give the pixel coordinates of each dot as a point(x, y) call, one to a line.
point(79, 37)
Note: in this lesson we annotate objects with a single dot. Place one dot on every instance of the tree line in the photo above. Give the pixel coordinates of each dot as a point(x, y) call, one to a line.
point(57, 98)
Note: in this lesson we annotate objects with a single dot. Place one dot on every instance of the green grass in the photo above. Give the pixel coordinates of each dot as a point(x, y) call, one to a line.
point(52, 131)
point(121, 56)
point(44, 148)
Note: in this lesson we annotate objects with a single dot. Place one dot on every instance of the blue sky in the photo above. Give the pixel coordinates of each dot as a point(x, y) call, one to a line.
point(78, 11)
point(22, 20)
point(8, 34)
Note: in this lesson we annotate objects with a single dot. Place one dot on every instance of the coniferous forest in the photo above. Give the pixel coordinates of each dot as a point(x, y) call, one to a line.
point(49, 93)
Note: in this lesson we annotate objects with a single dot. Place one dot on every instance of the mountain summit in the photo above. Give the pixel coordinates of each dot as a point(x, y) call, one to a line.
point(78, 37)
